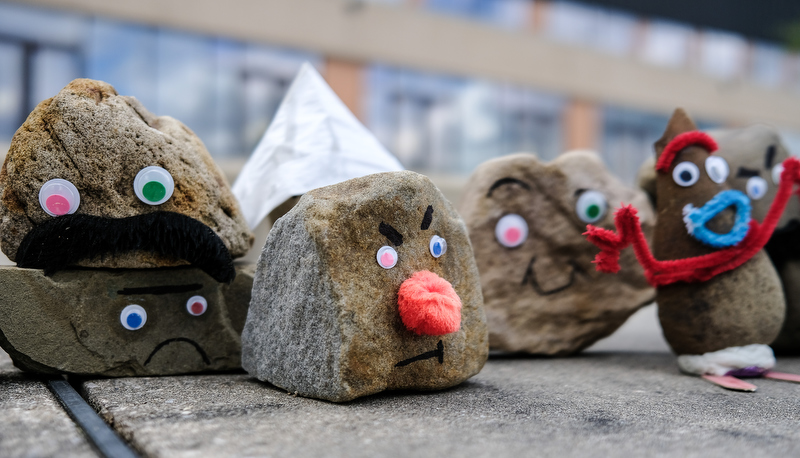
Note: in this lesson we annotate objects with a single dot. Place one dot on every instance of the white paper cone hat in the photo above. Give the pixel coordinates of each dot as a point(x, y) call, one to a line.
point(313, 141)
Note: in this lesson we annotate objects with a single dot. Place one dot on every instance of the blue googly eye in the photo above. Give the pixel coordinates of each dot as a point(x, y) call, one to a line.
point(133, 317)
point(438, 246)
point(756, 187)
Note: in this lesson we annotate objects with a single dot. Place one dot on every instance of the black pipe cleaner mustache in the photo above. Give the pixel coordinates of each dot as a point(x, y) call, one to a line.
point(66, 240)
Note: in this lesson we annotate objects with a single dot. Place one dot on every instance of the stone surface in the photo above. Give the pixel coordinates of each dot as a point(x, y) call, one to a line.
point(756, 151)
point(70, 322)
point(324, 320)
point(99, 141)
point(594, 404)
point(736, 308)
point(33, 423)
point(545, 296)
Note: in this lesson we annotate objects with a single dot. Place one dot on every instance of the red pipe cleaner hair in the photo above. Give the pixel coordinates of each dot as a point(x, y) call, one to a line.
point(694, 269)
point(681, 141)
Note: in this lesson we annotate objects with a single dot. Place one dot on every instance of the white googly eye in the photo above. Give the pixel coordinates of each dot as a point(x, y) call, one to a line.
point(511, 230)
point(133, 317)
point(591, 206)
point(153, 185)
point(686, 174)
point(438, 246)
point(717, 169)
point(756, 187)
point(197, 305)
point(387, 257)
point(59, 197)
point(776, 173)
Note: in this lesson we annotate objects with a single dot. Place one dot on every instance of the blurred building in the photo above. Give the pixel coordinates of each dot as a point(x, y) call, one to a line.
point(444, 84)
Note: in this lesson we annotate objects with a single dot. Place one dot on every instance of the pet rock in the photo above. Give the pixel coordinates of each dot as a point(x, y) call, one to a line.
point(122, 322)
point(365, 286)
point(755, 156)
point(525, 219)
point(720, 299)
point(93, 179)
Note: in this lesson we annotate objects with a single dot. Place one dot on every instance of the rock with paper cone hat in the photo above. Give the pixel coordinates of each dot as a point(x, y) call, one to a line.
point(365, 286)
point(525, 219)
point(313, 141)
point(94, 179)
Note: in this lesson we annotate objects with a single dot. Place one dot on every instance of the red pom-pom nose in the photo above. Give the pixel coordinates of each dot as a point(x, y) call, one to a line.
point(429, 305)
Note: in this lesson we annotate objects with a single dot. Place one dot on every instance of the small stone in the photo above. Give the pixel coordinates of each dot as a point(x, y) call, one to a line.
point(324, 320)
point(99, 141)
point(72, 322)
point(755, 153)
point(526, 219)
point(739, 307)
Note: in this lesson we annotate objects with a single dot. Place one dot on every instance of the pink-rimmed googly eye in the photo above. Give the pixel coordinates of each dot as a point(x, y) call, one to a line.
point(196, 305)
point(387, 257)
point(511, 230)
point(59, 197)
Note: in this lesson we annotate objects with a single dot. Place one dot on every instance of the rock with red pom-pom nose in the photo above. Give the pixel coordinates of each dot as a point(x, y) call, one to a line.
point(365, 286)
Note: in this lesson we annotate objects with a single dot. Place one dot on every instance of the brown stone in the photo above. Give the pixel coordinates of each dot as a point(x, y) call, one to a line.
point(324, 319)
point(754, 152)
point(545, 296)
point(99, 141)
point(740, 307)
point(70, 322)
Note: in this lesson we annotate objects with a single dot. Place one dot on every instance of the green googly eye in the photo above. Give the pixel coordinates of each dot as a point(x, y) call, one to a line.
point(591, 206)
point(153, 185)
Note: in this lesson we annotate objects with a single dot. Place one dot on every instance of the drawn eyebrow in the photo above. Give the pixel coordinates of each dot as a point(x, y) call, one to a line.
point(167, 289)
point(507, 180)
point(770, 157)
point(391, 233)
point(426, 220)
point(744, 172)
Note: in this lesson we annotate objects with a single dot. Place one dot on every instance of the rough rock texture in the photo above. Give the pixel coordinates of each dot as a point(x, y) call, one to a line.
point(755, 151)
point(736, 308)
point(70, 322)
point(99, 141)
point(324, 320)
point(545, 295)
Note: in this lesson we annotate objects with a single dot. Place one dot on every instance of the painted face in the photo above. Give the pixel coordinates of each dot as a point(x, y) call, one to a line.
point(526, 220)
point(400, 290)
point(93, 179)
point(140, 322)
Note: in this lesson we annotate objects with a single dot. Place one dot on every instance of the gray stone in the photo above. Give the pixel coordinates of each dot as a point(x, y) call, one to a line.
point(324, 319)
point(544, 295)
point(99, 141)
point(32, 422)
point(594, 404)
point(70, 322)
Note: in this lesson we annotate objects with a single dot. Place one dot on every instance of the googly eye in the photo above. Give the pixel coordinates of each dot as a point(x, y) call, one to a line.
point(133, 317)
point(776, 173)
point(511, 230)
point(717, 169)
point(197, 305)
point(591, 206)
point(438, 246)
point(756, 187)
point(153, 185)
point(387, 257)
point(686, 174)
point(59, 197)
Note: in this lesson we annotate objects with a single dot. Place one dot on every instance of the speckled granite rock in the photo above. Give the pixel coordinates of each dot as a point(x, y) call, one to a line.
point(71, 322)
point(324, 320)
point(99, 141)
point(542, 294)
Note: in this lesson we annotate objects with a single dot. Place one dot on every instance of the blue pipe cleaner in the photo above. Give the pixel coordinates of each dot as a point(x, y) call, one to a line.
point(696, 219)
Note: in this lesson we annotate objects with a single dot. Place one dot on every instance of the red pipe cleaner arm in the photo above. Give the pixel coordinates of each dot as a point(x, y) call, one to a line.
point(698, 268)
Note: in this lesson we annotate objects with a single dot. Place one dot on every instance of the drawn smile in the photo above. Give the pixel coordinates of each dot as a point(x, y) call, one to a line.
point(179, 339)
point(530, 277)
point(438, 353)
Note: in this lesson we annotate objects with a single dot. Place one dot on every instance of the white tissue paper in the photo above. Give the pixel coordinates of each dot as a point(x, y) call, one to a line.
point(313, 141)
